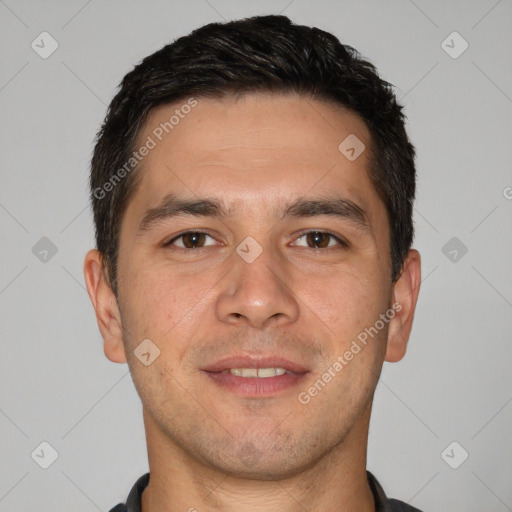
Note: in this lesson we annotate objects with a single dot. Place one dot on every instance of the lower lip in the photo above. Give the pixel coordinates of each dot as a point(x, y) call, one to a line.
point(255, 386)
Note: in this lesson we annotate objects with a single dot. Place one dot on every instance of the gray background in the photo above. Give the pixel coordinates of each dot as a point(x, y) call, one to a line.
point(454, 384)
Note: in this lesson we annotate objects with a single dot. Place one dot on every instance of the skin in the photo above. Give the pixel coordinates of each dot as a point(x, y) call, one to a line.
point(208, 448)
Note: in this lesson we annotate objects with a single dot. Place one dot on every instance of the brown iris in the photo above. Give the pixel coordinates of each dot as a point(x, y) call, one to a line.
point(191, 240)
point(317, 239)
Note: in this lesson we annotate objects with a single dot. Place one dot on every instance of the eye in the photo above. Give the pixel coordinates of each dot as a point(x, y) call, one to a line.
point(190, 240)
point(320, 240)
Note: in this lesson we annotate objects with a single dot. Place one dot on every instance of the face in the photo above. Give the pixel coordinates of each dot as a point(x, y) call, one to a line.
point(253, 242)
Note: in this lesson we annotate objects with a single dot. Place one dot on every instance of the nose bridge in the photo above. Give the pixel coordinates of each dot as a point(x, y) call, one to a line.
point(256, 290)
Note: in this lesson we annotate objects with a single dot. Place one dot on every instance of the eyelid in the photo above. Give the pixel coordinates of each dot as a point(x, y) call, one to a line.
point(341, 241)
point(187, 232)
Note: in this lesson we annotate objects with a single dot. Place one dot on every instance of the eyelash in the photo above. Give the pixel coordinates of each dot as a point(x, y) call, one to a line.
point(340, 241)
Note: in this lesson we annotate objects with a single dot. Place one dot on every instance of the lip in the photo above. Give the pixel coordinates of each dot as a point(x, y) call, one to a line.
point(255, 387)
point(271, 361)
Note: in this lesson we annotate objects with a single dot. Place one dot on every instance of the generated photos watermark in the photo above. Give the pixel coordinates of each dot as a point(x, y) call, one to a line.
point(357, 345)
point(151, 142)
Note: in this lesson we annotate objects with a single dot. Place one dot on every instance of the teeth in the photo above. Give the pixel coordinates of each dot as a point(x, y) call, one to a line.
point(270, 372)
point(261, 373)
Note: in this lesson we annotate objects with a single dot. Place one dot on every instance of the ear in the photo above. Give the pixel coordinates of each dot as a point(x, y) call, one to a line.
point(105, 306)
point(405, 295)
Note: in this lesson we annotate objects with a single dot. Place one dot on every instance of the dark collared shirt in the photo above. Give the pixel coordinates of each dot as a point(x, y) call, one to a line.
point(382, 503)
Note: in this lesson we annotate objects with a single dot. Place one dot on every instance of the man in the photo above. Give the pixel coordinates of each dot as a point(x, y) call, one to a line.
point(252, 189)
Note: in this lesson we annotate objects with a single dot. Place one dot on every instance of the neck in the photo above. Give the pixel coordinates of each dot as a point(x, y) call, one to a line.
point(335, 483)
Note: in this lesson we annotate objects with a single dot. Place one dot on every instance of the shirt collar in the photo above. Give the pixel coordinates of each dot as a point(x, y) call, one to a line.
point(133, 503)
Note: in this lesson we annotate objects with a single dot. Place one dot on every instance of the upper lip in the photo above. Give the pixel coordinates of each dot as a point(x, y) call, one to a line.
point(226, 363)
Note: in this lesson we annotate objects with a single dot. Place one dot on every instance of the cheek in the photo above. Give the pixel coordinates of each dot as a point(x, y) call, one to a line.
point(346, 301)
point(152, 302)
point(167, 307)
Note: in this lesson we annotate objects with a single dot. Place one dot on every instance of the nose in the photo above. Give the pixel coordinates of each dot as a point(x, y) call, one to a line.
point(258, 294)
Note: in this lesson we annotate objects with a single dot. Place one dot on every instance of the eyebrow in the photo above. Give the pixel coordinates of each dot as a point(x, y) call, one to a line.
point(172, 206)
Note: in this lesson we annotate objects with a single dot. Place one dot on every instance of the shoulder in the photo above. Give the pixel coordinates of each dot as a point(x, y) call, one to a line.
point(382, 502)
point(133, 502)
point(400, 506)
point(119, 508)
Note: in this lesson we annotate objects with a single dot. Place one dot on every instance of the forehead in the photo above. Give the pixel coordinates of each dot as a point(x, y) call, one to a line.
point(254, 152)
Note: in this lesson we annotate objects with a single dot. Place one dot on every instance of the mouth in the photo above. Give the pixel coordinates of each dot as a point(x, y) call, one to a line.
point(255, 377)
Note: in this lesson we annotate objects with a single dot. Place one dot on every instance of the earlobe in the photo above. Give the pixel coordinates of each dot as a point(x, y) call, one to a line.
point(405, 296)
point(105, 307)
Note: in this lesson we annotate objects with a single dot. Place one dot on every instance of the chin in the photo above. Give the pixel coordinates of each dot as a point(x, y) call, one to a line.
point(258, 462)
